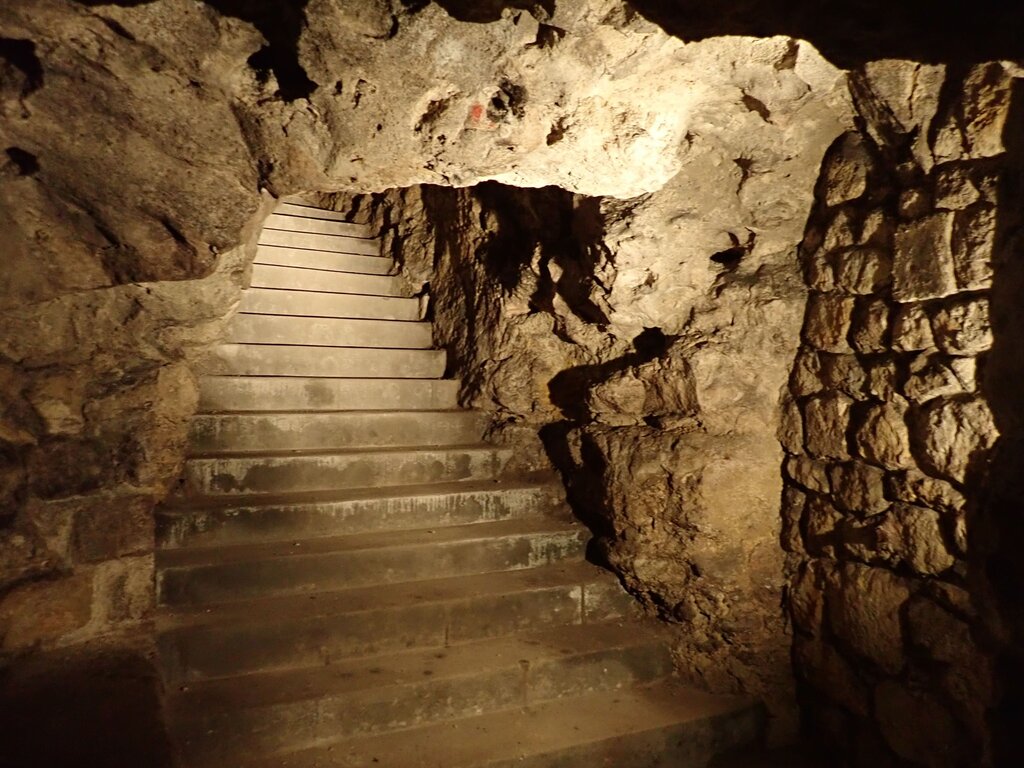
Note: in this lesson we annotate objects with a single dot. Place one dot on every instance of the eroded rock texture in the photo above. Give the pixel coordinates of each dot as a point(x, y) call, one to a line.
point(646, 341)
point(639, 307)
point(138, 137)
point(889, 424)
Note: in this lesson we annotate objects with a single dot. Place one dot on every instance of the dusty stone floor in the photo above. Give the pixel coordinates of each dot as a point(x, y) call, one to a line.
point(82, 710)
point(790, 757)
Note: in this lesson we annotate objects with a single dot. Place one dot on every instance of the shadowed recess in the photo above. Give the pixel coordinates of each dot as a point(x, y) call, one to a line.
point(483, 11)
point(851, 32)
point(19, 66)
point(281, 23)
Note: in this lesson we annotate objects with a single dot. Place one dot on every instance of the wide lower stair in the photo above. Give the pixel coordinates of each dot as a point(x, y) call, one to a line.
point(348, 577)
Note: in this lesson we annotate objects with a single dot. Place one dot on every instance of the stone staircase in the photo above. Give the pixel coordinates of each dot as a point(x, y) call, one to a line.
point(347, 577)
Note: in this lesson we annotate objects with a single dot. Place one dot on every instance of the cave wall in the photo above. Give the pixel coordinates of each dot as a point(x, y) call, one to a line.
point(642, 319)
point(640, 347)
point(890, 421)
point(142, 140)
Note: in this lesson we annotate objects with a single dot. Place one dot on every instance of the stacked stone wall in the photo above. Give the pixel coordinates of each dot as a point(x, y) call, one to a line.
point(887, 427)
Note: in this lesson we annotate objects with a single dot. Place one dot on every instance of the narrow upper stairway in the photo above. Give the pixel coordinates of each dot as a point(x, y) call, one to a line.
point(348, 577)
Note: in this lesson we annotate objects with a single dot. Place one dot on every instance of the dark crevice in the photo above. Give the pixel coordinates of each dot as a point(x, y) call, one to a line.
point(852, 32)
point(758, 106)
point(730, 257)
point(281, 23)
point(19, 62)
point(568, 388)
point(26, 163)
point(548, 36)
point(510, 99)
point(486, 11)
point(995, 522)
point(117, 28)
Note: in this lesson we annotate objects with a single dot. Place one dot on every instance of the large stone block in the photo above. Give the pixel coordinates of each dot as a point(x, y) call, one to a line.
point(952, 435)
point(828, 321)
point(932, 376)
point(954, 188)
point(918, 728)
point(826, 422)
point(44, 612)
point(912, 536)
point(821, 665)
point(974, 247)
point(882, 436)
point(967, 676)
point(844, 373)
point(821, 521)
point(923, 259)
point(882, 376)
point(962, 327)
point(791, 426)
point(794, 501)
point(808, 473)
point(911, 329)
point(862, 270)
point(847, 167)
point(915, 487)
point(807, 596)
point(859, 487)
point(805, 378)
point(863, 605)
point(869, 326)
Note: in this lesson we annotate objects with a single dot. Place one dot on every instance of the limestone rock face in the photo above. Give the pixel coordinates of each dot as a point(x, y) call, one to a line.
point(647, 340)
point(613, 223)
point(641, 303)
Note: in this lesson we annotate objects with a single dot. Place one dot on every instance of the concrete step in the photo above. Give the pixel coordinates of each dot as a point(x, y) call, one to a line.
point(207, 576)
point(269, 301)
point(331, 262)
point(322, 281)
point(217, 720)
point(363, 510)
point(295, 393)
point(285, 473)
point(659, 726)
point(296, 219)
point(319, 242)
point(236, 432)
point(284, 360)
point(311, 212)
point(328, 332)
point(322, 628)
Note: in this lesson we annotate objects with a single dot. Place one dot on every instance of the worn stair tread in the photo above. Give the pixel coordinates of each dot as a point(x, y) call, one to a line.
point(337, 411)
point(468, 659)
point(329, 362)
point(222, 521)
point(188, 557)
point(299, 430)
point(325, 281)
point(285, 608)
point(240, 572)
point(182, 506)
point(306, 210)
point(218, 394)
point(352, 263)
point(319, 241)
point(591, 723)
point(278, 471)
point(353, 451)
point(366, 333)
point(281, 301)
point(292, 220)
